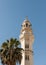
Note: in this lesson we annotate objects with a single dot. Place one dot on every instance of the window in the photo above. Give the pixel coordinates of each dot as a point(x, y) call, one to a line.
point(26, 57)
point(26, 45)
point(26, 24)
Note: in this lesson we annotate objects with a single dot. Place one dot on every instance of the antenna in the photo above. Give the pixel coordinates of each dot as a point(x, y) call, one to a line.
point(26, 18)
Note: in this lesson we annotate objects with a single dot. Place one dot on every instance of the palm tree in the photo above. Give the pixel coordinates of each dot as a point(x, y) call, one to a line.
point(10, 52)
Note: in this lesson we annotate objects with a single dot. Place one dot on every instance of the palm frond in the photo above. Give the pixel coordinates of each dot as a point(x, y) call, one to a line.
point(10, 52)
point(4, 45)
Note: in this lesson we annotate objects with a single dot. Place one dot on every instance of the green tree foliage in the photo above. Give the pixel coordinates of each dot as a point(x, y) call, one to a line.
point(10, 53)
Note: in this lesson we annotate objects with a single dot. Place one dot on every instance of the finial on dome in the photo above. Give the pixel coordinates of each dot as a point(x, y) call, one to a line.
point(26, 18)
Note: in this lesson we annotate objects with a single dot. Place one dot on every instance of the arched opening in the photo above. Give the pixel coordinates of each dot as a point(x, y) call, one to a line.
point(26, 24)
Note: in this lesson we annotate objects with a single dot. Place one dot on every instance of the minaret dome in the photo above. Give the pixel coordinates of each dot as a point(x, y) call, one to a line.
point(26, 23)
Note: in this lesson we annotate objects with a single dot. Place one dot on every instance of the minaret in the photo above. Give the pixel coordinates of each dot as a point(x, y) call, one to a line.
point(26, 40)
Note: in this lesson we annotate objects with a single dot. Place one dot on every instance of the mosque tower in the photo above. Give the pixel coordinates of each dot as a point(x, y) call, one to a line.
point(26, 40)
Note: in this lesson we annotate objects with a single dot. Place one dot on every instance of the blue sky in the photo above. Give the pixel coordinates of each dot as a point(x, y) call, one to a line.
point(13, 13)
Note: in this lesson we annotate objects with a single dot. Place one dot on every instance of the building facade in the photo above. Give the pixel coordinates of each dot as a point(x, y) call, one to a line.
point(26, 40)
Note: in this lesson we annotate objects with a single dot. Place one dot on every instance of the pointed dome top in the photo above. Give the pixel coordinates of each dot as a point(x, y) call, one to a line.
point(26, 21)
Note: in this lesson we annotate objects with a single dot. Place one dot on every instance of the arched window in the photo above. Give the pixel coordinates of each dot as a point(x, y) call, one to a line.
point(26, 24)
point(26, 57)
point(26, 45)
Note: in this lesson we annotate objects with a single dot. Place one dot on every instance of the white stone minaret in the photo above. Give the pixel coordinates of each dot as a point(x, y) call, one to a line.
point(26, 40)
